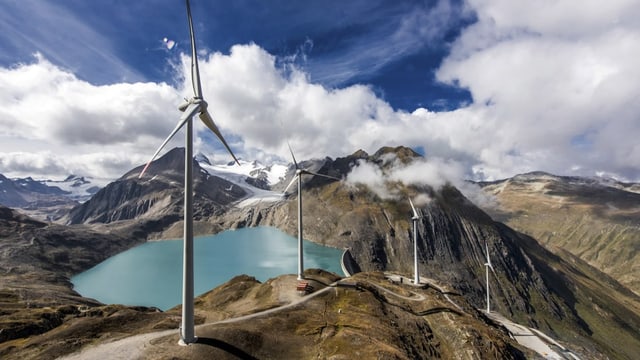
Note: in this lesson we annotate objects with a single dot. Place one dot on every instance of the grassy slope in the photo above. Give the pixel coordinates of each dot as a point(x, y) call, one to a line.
point(599, 225)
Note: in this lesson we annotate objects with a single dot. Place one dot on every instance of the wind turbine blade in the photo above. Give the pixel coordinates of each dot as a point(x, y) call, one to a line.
point(195, 72)
point(191, 110)
point(323, 175)
point(488, 263)
point(291, 183)
point(292, 156)
point(208, 121)
point(486, 253)
point(493, 271)
point(415, 213)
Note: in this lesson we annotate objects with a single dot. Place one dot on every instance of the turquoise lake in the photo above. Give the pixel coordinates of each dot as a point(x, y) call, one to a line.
point(151, 274)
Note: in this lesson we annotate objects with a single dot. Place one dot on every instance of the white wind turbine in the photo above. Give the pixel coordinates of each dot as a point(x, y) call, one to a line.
point(298, 178)
point(193, 106)
point(488, 266)
point(414, 219)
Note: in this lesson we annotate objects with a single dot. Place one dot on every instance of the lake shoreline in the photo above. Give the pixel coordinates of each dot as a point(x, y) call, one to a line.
point(150, 274)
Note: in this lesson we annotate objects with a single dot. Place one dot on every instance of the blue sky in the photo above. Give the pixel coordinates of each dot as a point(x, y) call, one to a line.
point(389, 45)
point(490, 88)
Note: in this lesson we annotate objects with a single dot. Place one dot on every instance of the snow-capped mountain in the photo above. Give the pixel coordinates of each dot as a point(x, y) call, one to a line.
point(254, 177)
point(271, 174)
point(78, 188)
point(47, 199)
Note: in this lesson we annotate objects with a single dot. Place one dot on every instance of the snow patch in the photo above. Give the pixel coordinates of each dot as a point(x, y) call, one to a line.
point(237, 175)
point(80, 188)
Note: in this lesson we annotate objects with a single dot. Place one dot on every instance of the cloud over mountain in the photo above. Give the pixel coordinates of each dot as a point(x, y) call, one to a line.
point(550, 92)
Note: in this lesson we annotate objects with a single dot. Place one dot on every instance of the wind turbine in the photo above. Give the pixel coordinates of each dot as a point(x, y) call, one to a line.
point(193, 106)
point(488, 266)
point(298, 177)
point(414, 219)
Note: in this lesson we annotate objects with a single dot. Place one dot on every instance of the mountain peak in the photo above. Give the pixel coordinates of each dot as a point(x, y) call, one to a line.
point(360, 154)
point(403, 153)
point(171, 160)
point(202, 158)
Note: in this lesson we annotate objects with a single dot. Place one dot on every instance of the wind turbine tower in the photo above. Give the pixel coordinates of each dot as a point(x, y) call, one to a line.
point(193, 106)
point(488, 266)
point(414, 219)
point(298, 178)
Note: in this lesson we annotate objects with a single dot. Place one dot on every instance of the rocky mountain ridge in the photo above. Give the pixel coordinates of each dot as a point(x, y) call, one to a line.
point(364, 316)
point(48, 199)
point(597, 220)
point(36, 299)
point(157, 197)
point(28, 193)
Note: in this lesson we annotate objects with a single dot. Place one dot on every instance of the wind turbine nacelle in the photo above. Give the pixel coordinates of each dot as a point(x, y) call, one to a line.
point(182, 107)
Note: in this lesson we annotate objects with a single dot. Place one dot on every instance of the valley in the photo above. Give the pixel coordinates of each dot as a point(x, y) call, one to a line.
point(597, 220)
point(557, 292)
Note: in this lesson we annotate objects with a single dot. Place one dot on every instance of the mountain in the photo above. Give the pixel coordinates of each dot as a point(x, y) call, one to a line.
point(30, 193)
point(45, 199)
point(157, 198)
point(563, 296)
point(10, 193)
point(595, 219)
point(253, 173)
point(78, 188)
point(36, 261)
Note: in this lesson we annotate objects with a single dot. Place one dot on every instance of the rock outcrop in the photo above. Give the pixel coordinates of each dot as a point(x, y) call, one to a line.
point(158, 196)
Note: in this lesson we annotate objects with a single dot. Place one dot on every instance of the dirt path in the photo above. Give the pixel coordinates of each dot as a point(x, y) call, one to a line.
point(134, 347)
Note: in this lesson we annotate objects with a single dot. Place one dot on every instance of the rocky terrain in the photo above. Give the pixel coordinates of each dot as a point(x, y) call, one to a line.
point(42, 318)
point(597, 220)
point(366, 316)
point(36, 261)
point(559, 294)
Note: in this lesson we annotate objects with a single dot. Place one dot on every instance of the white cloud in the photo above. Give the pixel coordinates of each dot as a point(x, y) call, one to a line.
point(250, 97)
point(563, 18)
point(551, 92)
point(370, 175)
point(555, 85)
point(56, 166)
point(434, 172)
point(67, 124)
